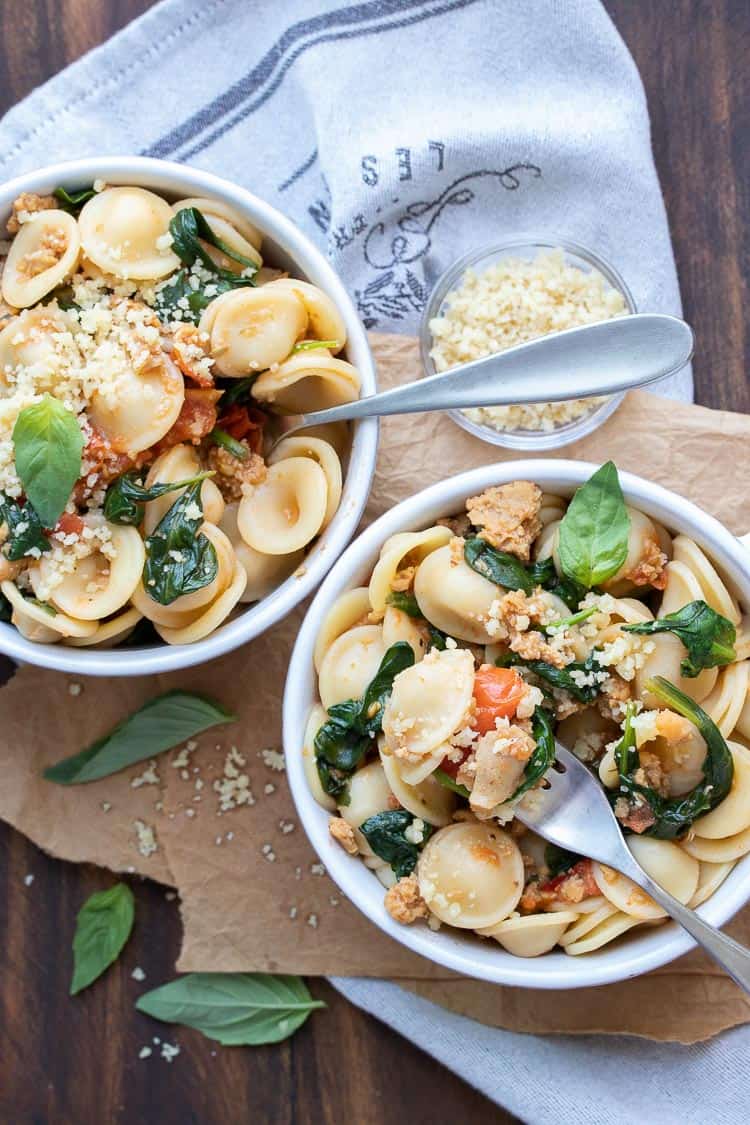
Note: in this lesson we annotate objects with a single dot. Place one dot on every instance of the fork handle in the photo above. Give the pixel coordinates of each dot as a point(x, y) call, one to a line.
point(733, 957)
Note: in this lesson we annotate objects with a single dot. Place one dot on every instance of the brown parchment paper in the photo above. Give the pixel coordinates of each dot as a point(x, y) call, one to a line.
point(253, 895)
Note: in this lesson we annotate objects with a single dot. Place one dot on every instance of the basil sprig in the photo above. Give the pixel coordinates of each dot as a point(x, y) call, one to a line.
point(25, 531)
point(48, 444)
point(235, 1009)
point(561, 678)
point(674, 815)
point(594, 531)
point(103, 926)
point(73, 201)
point(348, 733)
point(385, 833)
point(160, 724)
point(179, 558)
point(189, 228)
point(126, 496)
point(707, 635)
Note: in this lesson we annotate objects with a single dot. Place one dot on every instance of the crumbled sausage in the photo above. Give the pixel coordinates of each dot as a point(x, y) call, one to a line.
point(190, 351)
point(651, 568)
point(28, 203)
point(343, 833)
point(232, 473)
point(635, 815)
point(196, 418)
point(508, 515)
point(403, 901)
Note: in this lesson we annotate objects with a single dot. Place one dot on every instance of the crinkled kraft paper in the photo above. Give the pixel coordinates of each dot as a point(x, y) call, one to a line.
point(253, 894)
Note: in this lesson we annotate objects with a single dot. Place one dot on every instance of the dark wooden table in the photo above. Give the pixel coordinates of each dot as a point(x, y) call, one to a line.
point(75, 1062)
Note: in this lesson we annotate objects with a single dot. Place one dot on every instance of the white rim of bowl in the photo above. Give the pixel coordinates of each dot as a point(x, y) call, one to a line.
point(466, 955)
point(250, 623)
point(529, 441)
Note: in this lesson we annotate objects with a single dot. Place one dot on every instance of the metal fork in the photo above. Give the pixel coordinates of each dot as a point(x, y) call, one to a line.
point(596, 359)
point(574, 813)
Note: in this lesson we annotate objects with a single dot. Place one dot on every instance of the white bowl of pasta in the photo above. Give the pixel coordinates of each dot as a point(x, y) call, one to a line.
point(435, 664)
point(157, 326)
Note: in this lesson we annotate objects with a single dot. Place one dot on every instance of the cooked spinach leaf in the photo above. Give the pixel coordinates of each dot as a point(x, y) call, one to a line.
point(179, 558)
point(674, 815)
point(126, 496)
point(348, 732)
point(448, 782)
point(574, 619)
point(103, 926)
point(179, 297)
point(558, 860)
point(708, 637)
point(237, 392)
point(385, 833)
point(226, 441)
point(560, 677)
point(498, 566)
point(404, 601)
point(543, 754)
point(6, 609)
point(73, 201)
point(25, 531)
point(595, 529)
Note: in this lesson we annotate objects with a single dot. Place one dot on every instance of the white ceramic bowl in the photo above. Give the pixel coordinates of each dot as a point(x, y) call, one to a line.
point(465, 952)
point(285, 247)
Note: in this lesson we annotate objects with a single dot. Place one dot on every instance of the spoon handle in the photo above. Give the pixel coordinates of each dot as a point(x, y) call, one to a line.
point(733, 957)
point(595, 359)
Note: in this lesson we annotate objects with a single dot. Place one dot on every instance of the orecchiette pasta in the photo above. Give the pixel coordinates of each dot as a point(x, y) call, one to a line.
point(449, 677)
point(136, 327)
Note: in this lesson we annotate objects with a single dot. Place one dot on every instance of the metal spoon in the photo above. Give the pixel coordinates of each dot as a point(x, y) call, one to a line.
point(597, 359)
point(574, 813)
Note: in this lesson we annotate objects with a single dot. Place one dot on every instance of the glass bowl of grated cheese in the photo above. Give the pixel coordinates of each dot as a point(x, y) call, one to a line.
point(493, 299)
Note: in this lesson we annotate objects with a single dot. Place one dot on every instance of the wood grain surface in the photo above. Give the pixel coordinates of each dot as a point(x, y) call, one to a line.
point(75, 1062)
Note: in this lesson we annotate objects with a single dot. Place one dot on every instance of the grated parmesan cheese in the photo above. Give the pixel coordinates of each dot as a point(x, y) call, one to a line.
point(513, 301)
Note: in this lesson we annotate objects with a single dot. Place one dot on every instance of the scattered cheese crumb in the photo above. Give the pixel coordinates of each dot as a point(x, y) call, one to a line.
point(146, 838)
point(312, 920)
point(28, 880)
point(138, 974)
point(274, 759)
point(268, 853)
point(150, 776)
point(106, 806)
point(74, 689)
point(169, 1051)
point(145, 1053)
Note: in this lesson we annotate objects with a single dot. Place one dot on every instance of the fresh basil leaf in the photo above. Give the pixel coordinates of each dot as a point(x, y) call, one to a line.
point(707, 635)
point(125, 497)
point(103, 926)
point(448, 782)
point(25, 532)
point(404, 601)
point(188, 228)
point(232, 445)
point(558, 860)
point(543, 754)
point(48, 443)
point(313, 345)
point(349, 731)
point(235, 1009)
point(594, 531)
point(385, 833)
point(237, 392)
point(673, 816)
point(179, 558)
point(497, 566)
point(560, 677)
point(160, 724)
point(73, 201)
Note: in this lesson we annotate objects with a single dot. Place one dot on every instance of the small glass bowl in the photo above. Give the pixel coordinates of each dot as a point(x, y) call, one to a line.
point(480, 260)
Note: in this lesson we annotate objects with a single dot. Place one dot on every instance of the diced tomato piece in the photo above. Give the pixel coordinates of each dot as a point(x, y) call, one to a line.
point(196, 419)
point(69, 524)
point(582, 870)
point(450, 767)
point(497, 693)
